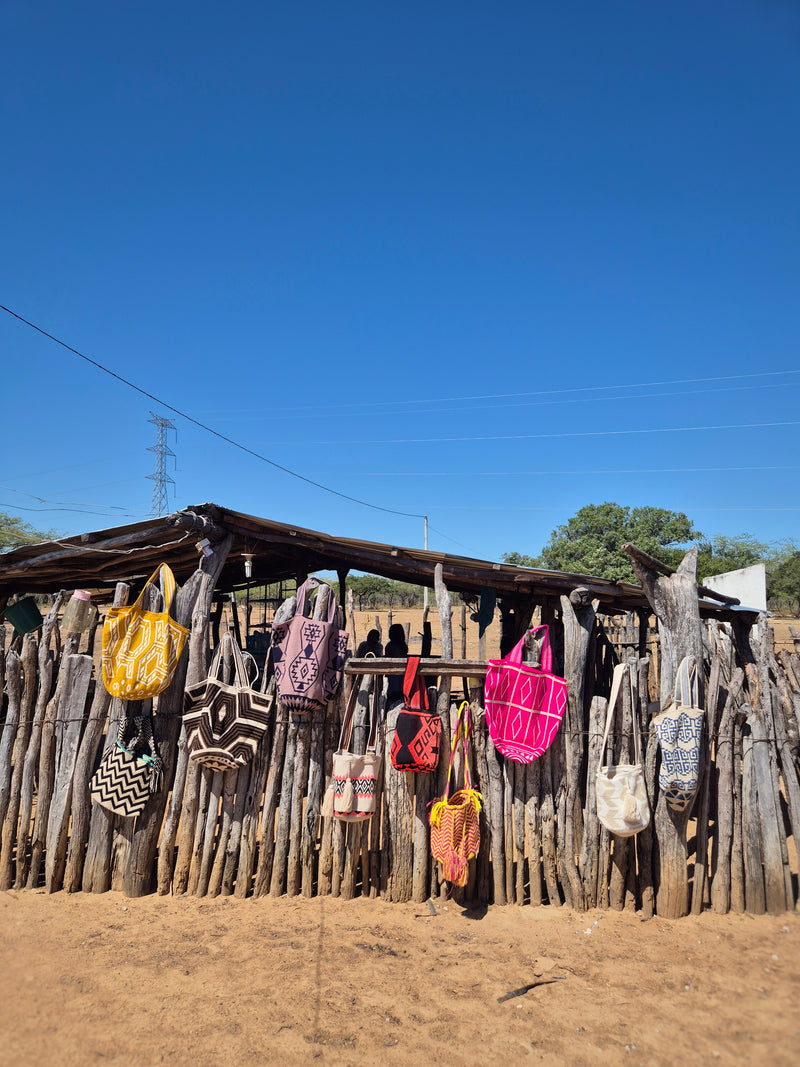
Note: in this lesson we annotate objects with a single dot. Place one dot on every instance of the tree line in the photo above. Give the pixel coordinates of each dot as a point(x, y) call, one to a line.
point(591, 541)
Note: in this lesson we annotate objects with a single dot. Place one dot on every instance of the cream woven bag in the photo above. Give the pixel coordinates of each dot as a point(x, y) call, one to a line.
point(622, 805)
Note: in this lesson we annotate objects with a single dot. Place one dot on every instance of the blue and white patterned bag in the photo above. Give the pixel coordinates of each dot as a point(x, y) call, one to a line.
point(679, 728)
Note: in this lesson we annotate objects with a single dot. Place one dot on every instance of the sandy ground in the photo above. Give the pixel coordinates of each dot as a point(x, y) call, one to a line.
point(103, 979)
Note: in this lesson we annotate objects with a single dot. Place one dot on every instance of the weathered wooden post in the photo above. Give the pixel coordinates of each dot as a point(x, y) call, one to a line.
point(578, 612)
point(674, 600)
point(28, 659)
point(198, 590)
point(84, 764)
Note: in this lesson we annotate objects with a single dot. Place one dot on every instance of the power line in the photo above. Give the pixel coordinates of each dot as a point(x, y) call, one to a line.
point(68, 503)
point(316, 413)
point(553, 474)
point(78, 511)
point(551, 436)
point(573, 389)
point(208, 429)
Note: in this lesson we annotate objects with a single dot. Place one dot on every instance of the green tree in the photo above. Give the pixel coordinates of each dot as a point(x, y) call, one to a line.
point(591, 541)
point(783, 582)
point(14, 533)
point(720, 554)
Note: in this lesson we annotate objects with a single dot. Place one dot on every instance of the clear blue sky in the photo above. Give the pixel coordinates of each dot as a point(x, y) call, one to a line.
point(440, 257)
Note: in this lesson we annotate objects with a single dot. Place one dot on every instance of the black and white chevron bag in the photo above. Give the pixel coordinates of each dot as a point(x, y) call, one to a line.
point(224, 723)
point(129, 771)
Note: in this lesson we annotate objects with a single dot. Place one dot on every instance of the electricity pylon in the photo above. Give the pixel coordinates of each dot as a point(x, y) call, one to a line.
point(160, 502)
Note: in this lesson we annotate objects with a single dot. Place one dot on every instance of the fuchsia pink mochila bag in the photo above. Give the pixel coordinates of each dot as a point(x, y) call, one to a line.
point(524, 704)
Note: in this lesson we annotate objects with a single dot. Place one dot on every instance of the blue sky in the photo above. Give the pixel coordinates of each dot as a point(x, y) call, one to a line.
point(482, 262)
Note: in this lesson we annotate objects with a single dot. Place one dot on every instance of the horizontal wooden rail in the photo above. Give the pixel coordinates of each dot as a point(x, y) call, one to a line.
point(444, 668)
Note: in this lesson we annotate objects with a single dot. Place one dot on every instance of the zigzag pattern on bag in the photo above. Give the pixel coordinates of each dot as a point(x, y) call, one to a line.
point(224, 725)
point(362, 787)
point(121, 782)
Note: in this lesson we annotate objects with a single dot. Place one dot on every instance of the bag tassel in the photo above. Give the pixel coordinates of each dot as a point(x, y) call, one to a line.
point(327, 803)
point(348, 796)
point(455, 870)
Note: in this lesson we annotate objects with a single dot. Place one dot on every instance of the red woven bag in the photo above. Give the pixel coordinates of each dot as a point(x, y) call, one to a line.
point(417, 736)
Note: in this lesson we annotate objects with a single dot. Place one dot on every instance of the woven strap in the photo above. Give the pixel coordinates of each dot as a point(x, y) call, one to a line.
point(686, 691)
point(414, 691)
point(242, 681)
point(144, 738)
point(347, 722)
point(463, 733)
point(515, 655)
point(616, 685)
point(306, 587)
point(165, 581)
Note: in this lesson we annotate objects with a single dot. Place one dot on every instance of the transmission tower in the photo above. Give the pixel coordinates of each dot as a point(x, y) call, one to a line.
point(160, 503)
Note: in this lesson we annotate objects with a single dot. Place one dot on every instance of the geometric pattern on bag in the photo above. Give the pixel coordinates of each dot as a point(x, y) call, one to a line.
point(127, 775)
point(620, 789)
point(455, 818)
point(524, 704)
point(309, 656)
point(679, 729)
point(141, 648)
point(418, 733)
point(354, 777)
point(225, 723)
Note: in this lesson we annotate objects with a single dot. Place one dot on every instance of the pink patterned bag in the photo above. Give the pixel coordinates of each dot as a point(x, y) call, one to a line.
point(309, 656)
point(524, 704)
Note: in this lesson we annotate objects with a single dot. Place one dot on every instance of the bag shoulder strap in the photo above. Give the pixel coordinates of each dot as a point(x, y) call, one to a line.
point(463, 734)
point(515, 655)
point(616, 686)
point(373, 733)
point(165, 579)
point(302, 593)
point(347, 721)
point(686, 689)
point(414, 691)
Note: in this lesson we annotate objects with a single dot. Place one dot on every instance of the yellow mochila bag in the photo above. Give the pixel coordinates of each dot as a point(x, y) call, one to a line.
point(141, 648)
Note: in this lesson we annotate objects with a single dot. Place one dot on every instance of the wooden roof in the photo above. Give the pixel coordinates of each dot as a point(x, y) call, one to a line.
point(131, 553)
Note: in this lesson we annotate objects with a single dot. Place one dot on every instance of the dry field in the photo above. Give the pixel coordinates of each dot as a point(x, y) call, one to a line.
point(102, 979)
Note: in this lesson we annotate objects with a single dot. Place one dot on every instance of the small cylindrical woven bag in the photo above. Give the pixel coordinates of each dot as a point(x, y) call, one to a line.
point(353, 791)
point(455, 818)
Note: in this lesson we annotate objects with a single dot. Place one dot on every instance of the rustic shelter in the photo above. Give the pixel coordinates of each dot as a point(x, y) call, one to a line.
point(258, 830)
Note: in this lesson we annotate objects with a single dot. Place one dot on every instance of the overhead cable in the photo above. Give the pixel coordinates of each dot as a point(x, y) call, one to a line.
point(209, 429)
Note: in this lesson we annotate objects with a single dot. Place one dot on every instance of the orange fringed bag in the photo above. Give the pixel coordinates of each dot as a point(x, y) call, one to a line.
point(455, 820)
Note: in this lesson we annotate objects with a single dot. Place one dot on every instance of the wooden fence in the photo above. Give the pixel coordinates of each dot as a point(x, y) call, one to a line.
point(258, 831)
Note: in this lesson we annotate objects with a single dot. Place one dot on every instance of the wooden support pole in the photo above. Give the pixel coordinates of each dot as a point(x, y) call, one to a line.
point(578, 614)
point(196, 593)
point(84, 765)
point(723, 777)
point(9, 836)
point(9, 729)
point(68, 724)
point(674, 602)
point(46, 666)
